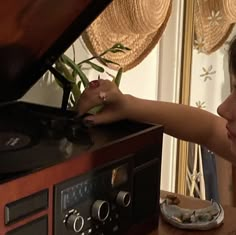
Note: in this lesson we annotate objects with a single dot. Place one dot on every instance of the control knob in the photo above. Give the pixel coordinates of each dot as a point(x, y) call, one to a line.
point(123, 199)
point(74, 221)
point(100, 210)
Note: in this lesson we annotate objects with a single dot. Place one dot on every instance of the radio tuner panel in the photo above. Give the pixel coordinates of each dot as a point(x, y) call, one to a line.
point(99, 202)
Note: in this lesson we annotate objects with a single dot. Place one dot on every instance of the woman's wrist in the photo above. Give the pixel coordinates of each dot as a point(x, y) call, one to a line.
point(128, 104)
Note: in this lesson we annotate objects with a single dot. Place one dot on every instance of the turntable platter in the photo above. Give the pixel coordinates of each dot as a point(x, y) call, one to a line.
point(13, 141)
point(30, 139)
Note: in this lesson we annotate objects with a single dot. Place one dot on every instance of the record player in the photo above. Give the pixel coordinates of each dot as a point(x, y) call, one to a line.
point(58, 177)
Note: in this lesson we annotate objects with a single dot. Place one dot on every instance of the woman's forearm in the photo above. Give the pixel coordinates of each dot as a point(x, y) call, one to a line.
point(181, 121)
point(184, 122)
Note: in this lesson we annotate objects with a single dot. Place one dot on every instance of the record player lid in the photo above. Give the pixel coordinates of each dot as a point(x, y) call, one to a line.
point(33, 34)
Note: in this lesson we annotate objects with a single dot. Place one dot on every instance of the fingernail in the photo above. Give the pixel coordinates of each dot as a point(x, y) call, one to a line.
point(94, 84)
point(88, 122)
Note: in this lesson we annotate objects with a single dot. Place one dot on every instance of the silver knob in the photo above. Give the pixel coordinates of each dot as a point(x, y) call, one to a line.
point(123, 199)
point(100, 210)
point(74, 222)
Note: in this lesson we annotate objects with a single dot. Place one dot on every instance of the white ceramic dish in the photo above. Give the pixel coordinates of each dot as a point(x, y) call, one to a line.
point(193, 219)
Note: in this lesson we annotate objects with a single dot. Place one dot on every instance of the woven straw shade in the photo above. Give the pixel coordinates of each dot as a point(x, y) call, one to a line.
point(137, 24)
point(213, 22)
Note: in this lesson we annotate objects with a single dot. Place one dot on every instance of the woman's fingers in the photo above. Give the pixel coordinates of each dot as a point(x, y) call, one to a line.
point(106, 116)
point(88, 101)
point(96, 94)
point(106, 93)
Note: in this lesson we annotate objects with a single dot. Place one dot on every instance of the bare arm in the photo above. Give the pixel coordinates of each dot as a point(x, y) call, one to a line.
point(184, 122)
point(181, 121)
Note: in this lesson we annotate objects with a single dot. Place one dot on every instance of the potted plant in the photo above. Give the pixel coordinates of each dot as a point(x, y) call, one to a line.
point(70, 75)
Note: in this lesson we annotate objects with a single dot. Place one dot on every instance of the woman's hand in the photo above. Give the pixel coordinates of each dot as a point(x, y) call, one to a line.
point(106, 93)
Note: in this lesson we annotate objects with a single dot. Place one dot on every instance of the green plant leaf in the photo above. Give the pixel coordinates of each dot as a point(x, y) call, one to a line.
point(79, 84)
point(76, 92)
point(72, 100)
point(74, 74)
point(83, 77)
point(116, 50)
point(96, 67)
point(61, 68)
point(106, 61)
point(121, 46)
point(73, 50)
point(118, 47)
point(117, 79)
point(111, 75)
point(77, 69)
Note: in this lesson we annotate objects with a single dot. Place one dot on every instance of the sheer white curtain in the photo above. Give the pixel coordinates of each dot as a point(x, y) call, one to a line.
point(210, 85)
